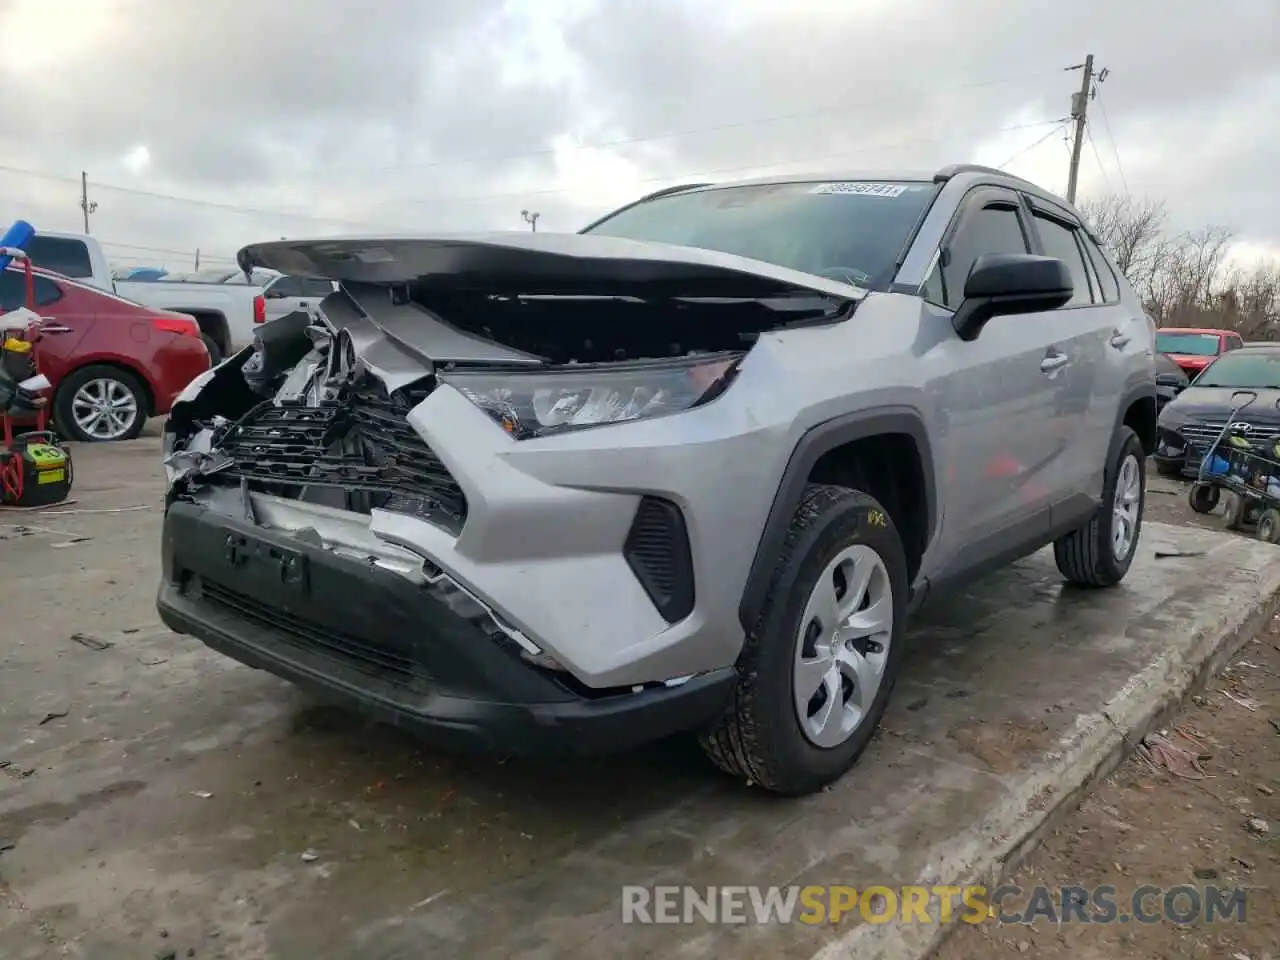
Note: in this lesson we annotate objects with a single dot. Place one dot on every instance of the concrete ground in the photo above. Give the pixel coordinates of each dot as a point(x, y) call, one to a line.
point(164, 801)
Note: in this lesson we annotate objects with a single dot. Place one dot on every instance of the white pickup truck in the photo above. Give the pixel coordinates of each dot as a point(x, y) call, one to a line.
point(227, 313)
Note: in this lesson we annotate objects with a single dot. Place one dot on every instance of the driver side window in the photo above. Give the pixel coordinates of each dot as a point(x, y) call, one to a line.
point(993, 229)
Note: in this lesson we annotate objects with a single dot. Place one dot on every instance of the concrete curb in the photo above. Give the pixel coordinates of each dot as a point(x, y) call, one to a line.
point(1046, 797)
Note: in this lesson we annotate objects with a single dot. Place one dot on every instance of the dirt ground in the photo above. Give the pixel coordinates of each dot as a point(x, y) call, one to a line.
point(1144, 825)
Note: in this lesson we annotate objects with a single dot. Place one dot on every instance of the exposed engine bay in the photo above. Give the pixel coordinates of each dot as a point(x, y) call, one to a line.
point(316, 411)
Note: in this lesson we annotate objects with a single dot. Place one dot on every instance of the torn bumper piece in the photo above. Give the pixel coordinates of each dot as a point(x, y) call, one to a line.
point(371, 639)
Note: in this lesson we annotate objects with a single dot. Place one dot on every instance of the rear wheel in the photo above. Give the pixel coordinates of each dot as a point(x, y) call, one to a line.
point(1099, 553)
point(101, 404)
point(818, 667)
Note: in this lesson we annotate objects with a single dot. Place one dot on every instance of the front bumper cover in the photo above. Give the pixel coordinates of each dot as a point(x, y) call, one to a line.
point(395, 650)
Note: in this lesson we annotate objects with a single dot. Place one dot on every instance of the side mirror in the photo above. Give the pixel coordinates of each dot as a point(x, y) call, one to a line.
point(1010, 283)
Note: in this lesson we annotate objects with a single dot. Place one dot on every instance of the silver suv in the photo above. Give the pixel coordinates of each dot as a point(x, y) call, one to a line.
point(689, 469)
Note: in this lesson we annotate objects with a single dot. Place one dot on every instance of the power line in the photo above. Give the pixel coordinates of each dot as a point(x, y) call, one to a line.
point(1088, 133)
point(480, 198)
point(696, 174)
point(687, 132)
point(1106, 125)
point(1058, 129)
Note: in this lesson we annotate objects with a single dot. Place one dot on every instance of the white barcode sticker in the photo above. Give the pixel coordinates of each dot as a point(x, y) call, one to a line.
point(862, 189)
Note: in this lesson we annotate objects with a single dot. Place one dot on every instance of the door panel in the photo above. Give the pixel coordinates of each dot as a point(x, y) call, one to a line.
point(991, 397)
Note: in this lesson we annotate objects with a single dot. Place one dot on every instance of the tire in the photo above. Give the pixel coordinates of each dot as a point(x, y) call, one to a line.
point(760, 737)
point(1236, 510)
point(114, 383)
point(1203, 497)
point(1269, 525)
point(1090, 556)
point(215, 351)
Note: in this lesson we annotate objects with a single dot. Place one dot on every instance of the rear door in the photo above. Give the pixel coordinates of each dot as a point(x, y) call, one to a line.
point(65, 320)
point(1101, 338)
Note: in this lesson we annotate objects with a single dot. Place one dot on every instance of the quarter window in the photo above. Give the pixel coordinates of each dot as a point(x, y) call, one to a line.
point(1102, 267)
point(1060, 241)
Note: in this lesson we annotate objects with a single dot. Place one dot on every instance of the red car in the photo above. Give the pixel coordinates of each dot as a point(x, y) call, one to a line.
point(112, 362)
point(1194, 348)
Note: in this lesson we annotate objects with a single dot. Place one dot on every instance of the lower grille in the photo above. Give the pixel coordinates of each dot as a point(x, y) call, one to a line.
point(306, 635)
point(361, 443)
point(657, 550)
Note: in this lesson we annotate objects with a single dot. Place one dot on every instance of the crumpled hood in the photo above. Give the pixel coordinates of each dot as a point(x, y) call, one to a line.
point(548, 263)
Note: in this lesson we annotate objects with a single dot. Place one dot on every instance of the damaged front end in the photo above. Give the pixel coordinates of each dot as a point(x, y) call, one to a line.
point(311, 529)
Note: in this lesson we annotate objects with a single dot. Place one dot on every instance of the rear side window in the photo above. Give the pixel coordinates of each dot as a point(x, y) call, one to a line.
point(13, 290)
point(1060, 241)
point(1233, 342)
point(285, 287)
point(1102, 269)
point(60, 255)
point(316, 288)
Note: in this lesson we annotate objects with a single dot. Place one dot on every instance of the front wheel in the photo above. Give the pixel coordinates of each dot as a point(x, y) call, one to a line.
point(101, 403)
point(1100, 553)
point(817, 668)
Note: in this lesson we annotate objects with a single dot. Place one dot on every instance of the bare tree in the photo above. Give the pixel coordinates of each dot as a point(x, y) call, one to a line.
point(1186, 279)
point(1132, 230)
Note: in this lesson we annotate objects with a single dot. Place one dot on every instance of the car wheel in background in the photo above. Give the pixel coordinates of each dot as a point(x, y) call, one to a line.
point(101, 404)
point(1099, 553)
point(215, 352)
point(817, 669)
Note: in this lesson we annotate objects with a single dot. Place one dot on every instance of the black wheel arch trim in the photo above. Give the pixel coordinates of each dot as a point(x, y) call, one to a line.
point(816, 441)
point(1141, 391)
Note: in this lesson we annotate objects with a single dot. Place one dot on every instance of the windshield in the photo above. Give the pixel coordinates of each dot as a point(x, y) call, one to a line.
point(851, 231)
point(1192, 344)
point(1243, 368)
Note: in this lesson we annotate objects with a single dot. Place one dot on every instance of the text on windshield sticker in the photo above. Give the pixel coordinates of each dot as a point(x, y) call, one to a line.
point(862, 189)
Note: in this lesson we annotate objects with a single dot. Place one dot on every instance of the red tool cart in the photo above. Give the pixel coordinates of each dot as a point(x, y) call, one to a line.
point(35, 467)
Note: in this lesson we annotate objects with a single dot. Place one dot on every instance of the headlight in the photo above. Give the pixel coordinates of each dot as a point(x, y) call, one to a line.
point(536, 403)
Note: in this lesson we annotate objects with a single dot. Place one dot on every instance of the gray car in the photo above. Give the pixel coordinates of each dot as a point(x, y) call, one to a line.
point(687, 470)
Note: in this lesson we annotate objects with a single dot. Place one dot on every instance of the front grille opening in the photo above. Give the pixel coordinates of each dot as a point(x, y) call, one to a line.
point(359, 448)
point(657, 550)
point(309, 635)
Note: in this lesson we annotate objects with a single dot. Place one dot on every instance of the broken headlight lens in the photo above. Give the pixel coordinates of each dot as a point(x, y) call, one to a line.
point(536, 403)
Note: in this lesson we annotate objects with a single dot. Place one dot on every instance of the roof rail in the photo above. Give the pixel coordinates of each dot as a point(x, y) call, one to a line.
point(676, 189)
point(946, 173)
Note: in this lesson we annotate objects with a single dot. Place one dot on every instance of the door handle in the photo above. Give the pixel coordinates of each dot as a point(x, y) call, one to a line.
point(1054, 361)
point(1119, 340)
point(53, 328)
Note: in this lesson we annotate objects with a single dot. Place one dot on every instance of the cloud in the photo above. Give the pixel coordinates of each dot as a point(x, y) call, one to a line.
point(293, 118)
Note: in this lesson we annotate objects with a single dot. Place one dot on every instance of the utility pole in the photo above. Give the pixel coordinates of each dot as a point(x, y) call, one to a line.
point(197, 259)
point(531, 219)
point(86, 206)
point(1079, 110)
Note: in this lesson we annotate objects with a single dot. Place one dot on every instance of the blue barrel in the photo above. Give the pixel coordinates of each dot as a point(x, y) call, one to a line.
point(18, 235)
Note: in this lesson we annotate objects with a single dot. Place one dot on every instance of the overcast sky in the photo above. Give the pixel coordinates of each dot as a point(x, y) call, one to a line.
point(222, 122)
